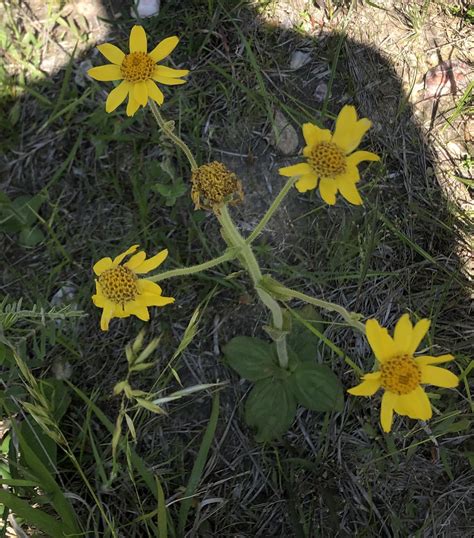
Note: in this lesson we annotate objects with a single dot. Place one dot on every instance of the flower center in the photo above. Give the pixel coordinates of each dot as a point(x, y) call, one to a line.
point(119, 285)
point(327, 160)
point(137, 67)
point(214, 184)
point(400, 375)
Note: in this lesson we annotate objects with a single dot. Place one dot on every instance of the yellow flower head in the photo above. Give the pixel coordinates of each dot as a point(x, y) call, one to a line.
point(213, 185)
point(121, 293)
point(401, 374)
point(330, 159)
point(137, 70)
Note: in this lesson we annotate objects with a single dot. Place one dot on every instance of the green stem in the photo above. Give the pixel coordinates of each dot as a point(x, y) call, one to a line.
point(275, 205)
point(288, 293)
point(248, 259)
point(165, 126)
point(183, 271)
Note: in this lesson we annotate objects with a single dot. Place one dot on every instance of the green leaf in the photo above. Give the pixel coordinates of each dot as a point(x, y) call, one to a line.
point(251, 358)
point(198, 467)
point(316, 387)
point(139, 464)
point(33, 516)
point(40, 443)
point(270, 408)
point(301, 340)
point(150, 406)
point(30, 237)
point(57, 394)
point(27, 207)
point(162, 510)
point(59, 501)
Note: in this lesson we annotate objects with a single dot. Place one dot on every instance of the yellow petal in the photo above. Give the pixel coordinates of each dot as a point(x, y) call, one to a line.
point(152, 263)
point(313, 134)
point(399, 407)
point(349, 131)
point(300, 169)
point(373, 375)
point(107, 315)
point(140, 93)
point(328, 190)
point(403, 334)
point(432, 375)
point(168, 80)
point(368, 387)
point(417, 404)
point(169, 72)
point(149, 299)
point(117, 96)
point(389, 400)
point(139, 310)
point(138, 39)
point(154, 92)
point(164, 48)
point(349, 190)
point(105, 73)
point(136, 260)
point(102, 265)
point(120, 312)
point(147, 286)
point(358, 156)
point(419, 331)
point(351, 174)
point(428, 359)
point(132, 105)
point(99, 300)
point(307, 182)
point(112, 53)
point(380, 341)
point(120, 257)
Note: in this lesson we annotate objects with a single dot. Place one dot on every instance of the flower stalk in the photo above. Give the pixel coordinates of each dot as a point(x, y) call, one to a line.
point(285, 293)
point(234, 239)
point(239, 247)
point(229, 254)
point(268, 215)
point(168, 130)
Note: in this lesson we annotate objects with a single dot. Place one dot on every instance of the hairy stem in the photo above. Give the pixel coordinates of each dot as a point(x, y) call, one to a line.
point(165, 127)
point(288, 293)
point(275, 205)
point(183, 271)
point(248, 259)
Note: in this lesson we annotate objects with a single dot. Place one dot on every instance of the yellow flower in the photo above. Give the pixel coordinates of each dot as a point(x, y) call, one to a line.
point(330, 159)
point(137, 71)
point(121, 293)
point(401, 374)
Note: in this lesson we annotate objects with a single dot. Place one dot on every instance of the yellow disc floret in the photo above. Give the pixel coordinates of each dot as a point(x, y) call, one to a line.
point(119, 285)
point(327, 160)
point(400, 375)
point(214, 185)
point(137, 67)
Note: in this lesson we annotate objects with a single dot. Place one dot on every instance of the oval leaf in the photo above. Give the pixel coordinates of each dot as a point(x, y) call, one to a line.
point(302, 339)
point(316, 387)
point(270, 408)
point(251, 358)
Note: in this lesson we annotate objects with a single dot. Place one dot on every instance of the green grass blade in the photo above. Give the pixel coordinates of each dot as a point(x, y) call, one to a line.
point(49, 485)
point(162, 515)
point(33, 516)
point(137, 462)
point(199, 464)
